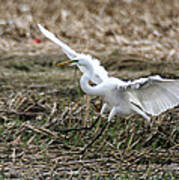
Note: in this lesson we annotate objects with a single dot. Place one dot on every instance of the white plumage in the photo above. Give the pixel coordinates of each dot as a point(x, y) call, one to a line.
point(99, 72)
point(67, 50)
point(152, 95)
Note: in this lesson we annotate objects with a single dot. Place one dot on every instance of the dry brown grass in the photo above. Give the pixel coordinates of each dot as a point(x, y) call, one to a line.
point(33, 146)
point(133, 39)
point(148, 29)
point(36, 103)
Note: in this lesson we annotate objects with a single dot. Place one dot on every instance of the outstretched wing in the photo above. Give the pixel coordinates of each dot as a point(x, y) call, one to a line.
point(154, 94)
point(100, 74)
point(67, 50)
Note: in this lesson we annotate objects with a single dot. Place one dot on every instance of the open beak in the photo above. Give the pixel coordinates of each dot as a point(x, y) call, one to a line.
point(64, 63)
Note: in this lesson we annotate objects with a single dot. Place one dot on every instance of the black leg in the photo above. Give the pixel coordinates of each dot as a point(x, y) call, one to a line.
point(82, 128)
point(94, 140)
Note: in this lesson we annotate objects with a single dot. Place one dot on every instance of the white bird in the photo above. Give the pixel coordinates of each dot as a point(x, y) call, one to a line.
point(152, 95)
point(145, 96)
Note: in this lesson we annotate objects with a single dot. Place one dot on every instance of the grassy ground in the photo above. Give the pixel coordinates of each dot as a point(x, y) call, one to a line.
point(38, 99)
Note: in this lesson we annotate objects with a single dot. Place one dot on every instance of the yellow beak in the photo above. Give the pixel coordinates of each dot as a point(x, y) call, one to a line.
point(66, 63)
point(63, 63)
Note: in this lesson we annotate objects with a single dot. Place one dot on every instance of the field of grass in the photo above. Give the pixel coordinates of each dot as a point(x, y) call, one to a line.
point(37, 99)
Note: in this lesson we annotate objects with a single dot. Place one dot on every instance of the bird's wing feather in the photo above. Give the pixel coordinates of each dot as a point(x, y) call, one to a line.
point(67, 50)
point(154, 94)
point(99, 72)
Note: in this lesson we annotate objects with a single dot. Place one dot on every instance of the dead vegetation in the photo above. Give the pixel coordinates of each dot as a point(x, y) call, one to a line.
point(32, 144)
point(132, 39)
point(145, 28)
point(36, 104)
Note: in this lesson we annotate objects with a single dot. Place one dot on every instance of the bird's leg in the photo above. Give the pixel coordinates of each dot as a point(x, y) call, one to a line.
point(139, 111)
point(104, 108)
point(82, 128)
point(111, 115)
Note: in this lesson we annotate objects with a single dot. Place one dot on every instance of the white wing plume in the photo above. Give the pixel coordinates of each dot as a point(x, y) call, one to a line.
point(67, 50)
point(154, 94)
point(100, 74)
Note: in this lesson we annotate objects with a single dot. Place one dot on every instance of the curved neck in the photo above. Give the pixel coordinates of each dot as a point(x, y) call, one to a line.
point(90, 70)
point(88, 89)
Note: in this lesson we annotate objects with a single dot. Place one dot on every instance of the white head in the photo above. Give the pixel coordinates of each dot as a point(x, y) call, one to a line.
point(80, 60)
point(89, 66)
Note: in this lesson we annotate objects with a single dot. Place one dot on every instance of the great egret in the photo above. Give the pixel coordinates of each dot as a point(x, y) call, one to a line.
point(145, 96)
point(152, 95)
